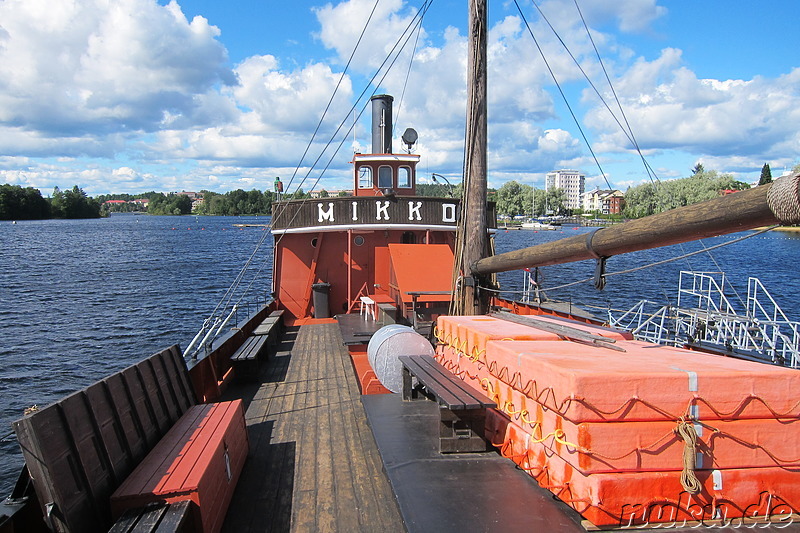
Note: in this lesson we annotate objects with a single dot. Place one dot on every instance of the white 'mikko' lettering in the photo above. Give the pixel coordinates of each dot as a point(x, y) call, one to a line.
point(413, 211)
point(325, 215)
point(382, 210)
point(448, 212)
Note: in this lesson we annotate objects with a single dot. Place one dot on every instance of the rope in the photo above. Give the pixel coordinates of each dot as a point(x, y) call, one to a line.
point(563, 95)
point(689, 480)
point(782, 199)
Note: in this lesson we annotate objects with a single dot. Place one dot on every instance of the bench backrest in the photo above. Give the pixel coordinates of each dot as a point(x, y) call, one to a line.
point(80, 449)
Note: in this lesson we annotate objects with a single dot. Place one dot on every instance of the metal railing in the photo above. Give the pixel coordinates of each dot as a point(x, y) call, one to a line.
point(216, 325)
point(705, 316)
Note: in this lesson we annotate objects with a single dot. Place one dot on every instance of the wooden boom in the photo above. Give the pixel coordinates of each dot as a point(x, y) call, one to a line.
point(775, 203)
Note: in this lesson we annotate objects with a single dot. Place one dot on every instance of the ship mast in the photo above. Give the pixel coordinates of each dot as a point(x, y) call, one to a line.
point(472, 237)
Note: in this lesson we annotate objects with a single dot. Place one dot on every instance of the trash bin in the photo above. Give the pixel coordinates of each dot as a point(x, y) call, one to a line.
point(320, 292)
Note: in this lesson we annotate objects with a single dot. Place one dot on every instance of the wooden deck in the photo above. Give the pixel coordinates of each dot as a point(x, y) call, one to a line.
point(313, 463)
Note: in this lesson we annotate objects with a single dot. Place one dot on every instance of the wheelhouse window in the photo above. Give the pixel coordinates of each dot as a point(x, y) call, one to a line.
point(404, 178)
point(385, 177)
point(365, 177)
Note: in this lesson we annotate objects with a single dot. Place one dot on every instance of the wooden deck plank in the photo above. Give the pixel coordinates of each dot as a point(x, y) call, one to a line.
point(314, 465)
point(304, 433)
point(344, 472)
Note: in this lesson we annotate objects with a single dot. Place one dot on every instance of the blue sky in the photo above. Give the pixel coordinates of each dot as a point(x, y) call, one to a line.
point(139, 95)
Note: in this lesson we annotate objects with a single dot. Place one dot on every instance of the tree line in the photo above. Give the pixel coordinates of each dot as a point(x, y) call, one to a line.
point(655, 197)
point(18, 203)
point(512, 199)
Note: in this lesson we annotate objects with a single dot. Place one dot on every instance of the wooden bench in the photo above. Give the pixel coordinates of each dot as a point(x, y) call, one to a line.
point(245, 360)
point(255, 348)
point(198, 460)
point(462, 407)
point(156, 518)
point(79, 449)
point(272, 326)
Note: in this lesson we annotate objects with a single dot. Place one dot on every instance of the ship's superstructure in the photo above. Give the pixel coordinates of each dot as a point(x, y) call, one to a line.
point(332, 252)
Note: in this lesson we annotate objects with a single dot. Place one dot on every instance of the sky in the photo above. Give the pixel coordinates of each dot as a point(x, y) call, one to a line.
point(130, 96)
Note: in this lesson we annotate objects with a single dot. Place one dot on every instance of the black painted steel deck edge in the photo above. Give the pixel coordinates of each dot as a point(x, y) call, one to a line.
point(456, 492)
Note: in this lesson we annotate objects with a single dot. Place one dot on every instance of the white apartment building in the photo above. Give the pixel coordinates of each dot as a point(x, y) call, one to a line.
point(572, 182)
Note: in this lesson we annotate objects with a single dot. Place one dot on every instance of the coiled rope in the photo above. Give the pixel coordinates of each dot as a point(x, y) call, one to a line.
point(689, 480)
point(782, 199)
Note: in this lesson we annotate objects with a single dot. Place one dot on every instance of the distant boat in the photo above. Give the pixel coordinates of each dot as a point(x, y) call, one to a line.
point(535, 224)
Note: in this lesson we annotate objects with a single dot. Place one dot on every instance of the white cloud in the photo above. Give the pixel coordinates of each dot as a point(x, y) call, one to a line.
point(136, 82)
point(342, 26)
point(670, 108)
point(95, 67)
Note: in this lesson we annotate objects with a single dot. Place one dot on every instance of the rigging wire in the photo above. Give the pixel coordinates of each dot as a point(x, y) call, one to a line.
point(735, 292)
point(408, 75)
point(561, 91)
point(627, 129)
point(225, 301)
point(333, 95)
point(407, 33)
point(417, 20)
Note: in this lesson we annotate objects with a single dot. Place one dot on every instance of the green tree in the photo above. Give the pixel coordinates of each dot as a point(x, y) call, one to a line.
point(555, 201)
point(510, 199)
point(766, 175)
point(648, 199)
point(172, 204)
point(17, 203)
point(73, 204)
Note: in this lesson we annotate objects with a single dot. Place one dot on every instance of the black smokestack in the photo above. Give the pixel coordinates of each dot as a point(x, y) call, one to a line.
point(382, 124)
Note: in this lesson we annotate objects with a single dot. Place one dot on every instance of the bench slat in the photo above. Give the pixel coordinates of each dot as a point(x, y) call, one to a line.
point(267, 326)
point(438, 387)
point(240, 354)
point(462, 388)
point(250, 348)
point(449, 388)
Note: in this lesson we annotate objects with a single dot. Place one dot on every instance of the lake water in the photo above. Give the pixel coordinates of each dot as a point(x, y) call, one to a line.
point(82, 299)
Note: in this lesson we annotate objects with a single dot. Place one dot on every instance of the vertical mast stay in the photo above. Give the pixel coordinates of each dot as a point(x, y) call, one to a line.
point(472, 242)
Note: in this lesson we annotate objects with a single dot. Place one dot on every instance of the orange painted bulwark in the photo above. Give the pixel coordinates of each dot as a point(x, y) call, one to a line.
point(368, 382)
point(199, 459)
point(354, 263)
point(421, 268)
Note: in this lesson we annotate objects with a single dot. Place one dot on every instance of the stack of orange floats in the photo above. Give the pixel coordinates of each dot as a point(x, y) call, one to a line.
point(651, 434)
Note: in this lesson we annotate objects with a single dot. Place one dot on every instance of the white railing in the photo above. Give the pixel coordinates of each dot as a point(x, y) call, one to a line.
point(705, 316)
